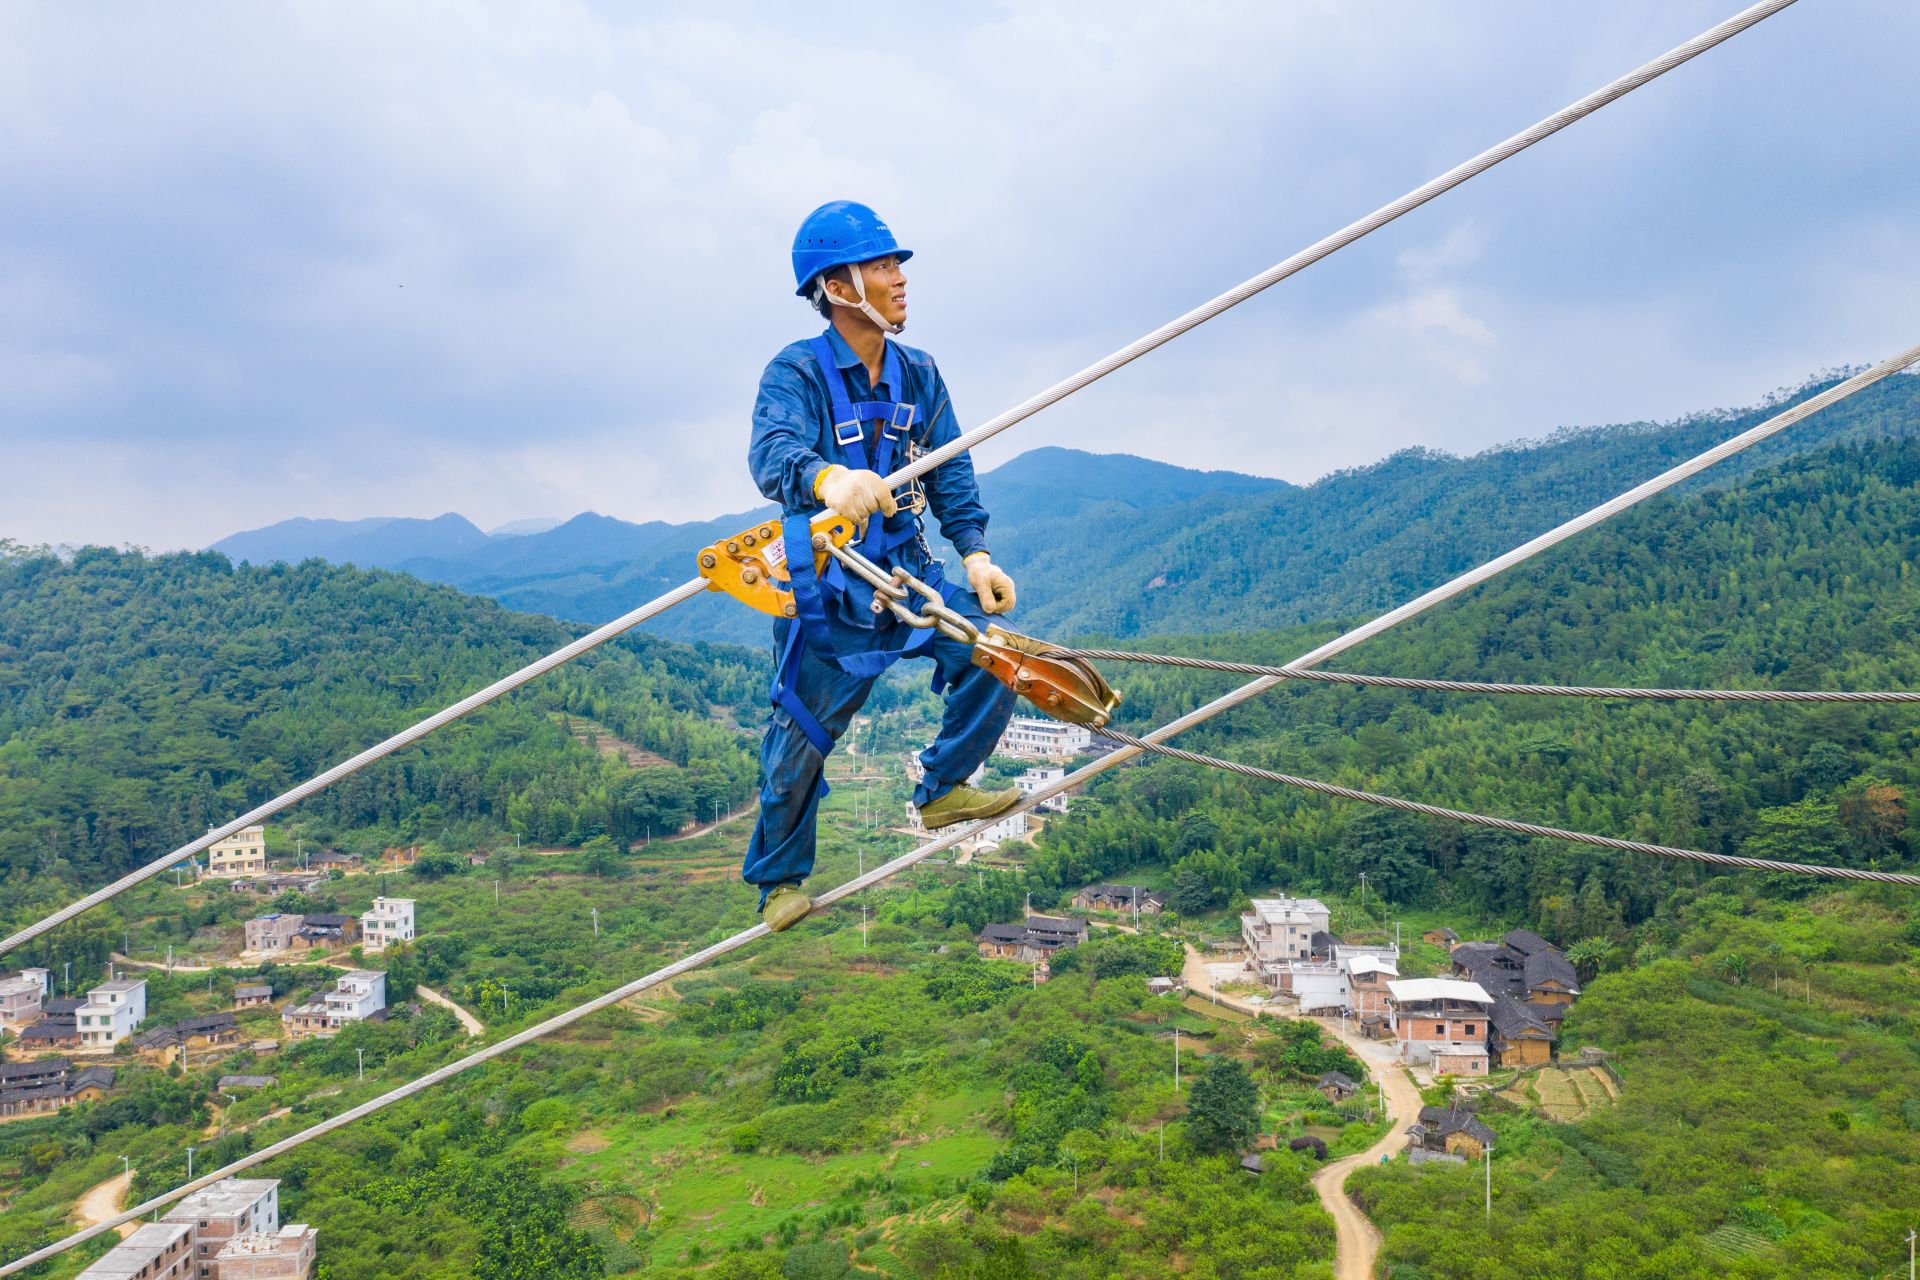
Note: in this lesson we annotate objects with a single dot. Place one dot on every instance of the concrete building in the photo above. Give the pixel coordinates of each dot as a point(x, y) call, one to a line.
point(157, 1251)
point(389, 921)
point(1425, 1014)
point(21, 995)
point(112, 1011)
point(229, 1208)
point(1042, 776)
point(241, 854)
point(1034, 738)
point(1280, 930)
point(270, 933)
point(356, 996)
point(286, 1254)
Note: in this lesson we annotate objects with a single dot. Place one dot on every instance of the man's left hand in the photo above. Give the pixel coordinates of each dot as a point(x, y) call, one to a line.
point(990, 583)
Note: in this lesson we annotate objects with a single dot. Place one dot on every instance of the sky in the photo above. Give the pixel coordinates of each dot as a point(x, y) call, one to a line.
point(527, 258)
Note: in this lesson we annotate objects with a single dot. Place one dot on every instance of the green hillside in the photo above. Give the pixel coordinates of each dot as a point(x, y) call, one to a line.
point(143, 698)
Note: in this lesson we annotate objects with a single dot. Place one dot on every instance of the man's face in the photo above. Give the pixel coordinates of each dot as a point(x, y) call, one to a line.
point(886, 284)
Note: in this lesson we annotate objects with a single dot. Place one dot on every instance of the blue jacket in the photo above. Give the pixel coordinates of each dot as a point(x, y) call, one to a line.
point(793, 419)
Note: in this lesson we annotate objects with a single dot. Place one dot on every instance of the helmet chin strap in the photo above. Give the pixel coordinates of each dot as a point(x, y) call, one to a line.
point(862, 306)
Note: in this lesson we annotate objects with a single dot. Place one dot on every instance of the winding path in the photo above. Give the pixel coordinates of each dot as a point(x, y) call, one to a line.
point(103, 1202)
point(467, 1020)
point(1356, 1241)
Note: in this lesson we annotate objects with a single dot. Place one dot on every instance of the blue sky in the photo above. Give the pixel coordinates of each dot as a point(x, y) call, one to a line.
point(524, 259)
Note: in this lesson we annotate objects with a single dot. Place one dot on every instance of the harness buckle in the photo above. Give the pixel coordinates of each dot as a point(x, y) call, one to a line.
point(841, 436)
point(902, 419)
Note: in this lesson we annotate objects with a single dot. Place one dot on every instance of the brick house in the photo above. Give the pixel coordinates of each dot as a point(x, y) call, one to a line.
point(1428, 1013)
point(1119, 897)
point(1519, 1035)
point(49, 1085)
point(270, 933)
point(249, 995)
point(1032, 942)
point(1448, 1133)
point(157, 1251)
point(21, 995)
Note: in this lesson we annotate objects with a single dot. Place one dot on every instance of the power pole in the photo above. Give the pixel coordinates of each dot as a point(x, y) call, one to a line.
point(363, 1062)
point(496, 893)
point(189, 1163)
point(1363, 894)
point(1912, 1236)
point(863, 927)
point(1163, 1139)
point(1489, 1163)
point(1176, 1059)
point(596, 920)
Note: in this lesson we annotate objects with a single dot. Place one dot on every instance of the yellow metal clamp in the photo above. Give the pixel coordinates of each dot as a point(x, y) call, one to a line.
point(751, 567)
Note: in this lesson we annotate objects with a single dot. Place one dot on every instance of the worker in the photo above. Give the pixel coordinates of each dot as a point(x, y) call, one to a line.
point(835, 415)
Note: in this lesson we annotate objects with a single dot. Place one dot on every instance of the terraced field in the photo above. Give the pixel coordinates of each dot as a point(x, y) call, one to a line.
point(1565, 1094)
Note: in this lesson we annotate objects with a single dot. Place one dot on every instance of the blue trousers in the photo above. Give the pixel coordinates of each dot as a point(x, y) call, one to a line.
point(977, 711)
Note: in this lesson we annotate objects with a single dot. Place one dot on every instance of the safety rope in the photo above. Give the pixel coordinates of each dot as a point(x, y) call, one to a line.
point(1092, 373)
point(1483, 686)
point(1129, 749)
point(1508, 824)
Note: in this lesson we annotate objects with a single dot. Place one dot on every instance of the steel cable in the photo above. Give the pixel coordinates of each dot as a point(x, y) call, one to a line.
point(1484, 686)
point(1019, 413)
point(1508, 824)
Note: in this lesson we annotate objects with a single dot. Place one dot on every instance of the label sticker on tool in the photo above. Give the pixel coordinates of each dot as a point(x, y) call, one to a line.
point(776, 552)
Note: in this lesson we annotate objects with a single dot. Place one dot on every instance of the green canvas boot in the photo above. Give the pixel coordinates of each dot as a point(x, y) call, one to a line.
point(967, 804)
point(785, 907)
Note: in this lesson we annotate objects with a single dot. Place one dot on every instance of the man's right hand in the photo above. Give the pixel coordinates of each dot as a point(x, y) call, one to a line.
point(855, 494)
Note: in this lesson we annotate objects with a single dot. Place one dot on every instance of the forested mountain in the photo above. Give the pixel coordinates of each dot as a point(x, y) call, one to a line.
point(1127, 546)
point(1802, 577)
point(144, 698)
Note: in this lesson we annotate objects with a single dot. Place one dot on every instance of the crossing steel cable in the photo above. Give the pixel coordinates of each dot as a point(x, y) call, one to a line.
point(1484, 686)
point(1092, 373)
point(1508, 824)
point(1130, 749)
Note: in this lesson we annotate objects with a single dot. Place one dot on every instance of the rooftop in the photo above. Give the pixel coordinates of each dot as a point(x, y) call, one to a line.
point(1415, 990)
point(1372, 964)
point(1287, 910)
point(225, 1197)
point(121, 985)
point(132, 1256)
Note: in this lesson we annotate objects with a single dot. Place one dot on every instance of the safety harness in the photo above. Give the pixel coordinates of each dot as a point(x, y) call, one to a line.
point(815, 593)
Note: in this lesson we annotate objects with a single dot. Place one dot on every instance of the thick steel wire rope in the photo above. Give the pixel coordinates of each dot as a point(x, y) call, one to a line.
point(1132, 748)
point(1092, 373)
point(1508, 824)
point(1486, 686)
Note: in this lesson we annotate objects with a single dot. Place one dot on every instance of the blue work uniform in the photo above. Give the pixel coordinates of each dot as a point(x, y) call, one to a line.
point(823, 679)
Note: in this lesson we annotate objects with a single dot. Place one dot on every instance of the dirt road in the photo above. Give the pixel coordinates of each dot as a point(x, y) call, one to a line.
point(1357, 1240)
point(467, 1020)
point(103, 1202)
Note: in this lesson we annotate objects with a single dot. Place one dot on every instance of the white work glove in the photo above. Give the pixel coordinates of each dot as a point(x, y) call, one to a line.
point(855, 494)
point(990, 583)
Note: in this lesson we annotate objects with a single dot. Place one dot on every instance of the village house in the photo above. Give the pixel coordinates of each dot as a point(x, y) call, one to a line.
point(1519, 1034)
point(325, 931)
point(1425, 1014)
point(1459, 1060)
point(275, 882)
point(58, 1027)
point(112, 1011)
point(242, 854)
point(1124, 898)
point(1032, 942)
point(164, 1044)
point(1045, 776)
point(334, 860)
point(356, 997)
point(38, 1088)
point(1367, 979)
point(1337, 1086)
point(227, 1084)
point(1165, 986)
point(1036, 738)
point(389, 921)
point(157, 1251)
point(270, 933)
point(1522, 965)
point(1440, 938)
point(1447, 1133)
point(400, 855)
point(286, 1254)
point(1011, 827)
point(248, 995)
point(21, 995)
point(1277, 931)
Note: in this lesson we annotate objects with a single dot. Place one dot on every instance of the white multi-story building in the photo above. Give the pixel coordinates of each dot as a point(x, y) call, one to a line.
point(1011, 827)
point(157, 1251)
point(112, 1011)
point(356, 996)
point(389, 921)
point(21, 996)
point(1279, 930)
point(242, 854)
point(1040, 776)
point(1039, 739)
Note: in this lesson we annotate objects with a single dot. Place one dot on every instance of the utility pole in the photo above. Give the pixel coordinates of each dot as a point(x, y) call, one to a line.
point(363, 1062)
point(126, 1167)
point(1176, 1059)
point(169, 959)
point(863, 926)
point(66, 977)
point(596, 920)
point(1163, 1139)
point(1489, 1163)
point(1363, 894)
point(1912, 1236)
point(496, 893)
point(189, 1163)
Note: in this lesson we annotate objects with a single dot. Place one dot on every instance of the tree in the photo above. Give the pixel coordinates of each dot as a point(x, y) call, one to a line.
point(1824, 766)
point(599, 857)
point(1223, 1112)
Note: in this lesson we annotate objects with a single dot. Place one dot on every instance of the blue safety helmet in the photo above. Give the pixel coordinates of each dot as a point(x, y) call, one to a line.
point(837, 234)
